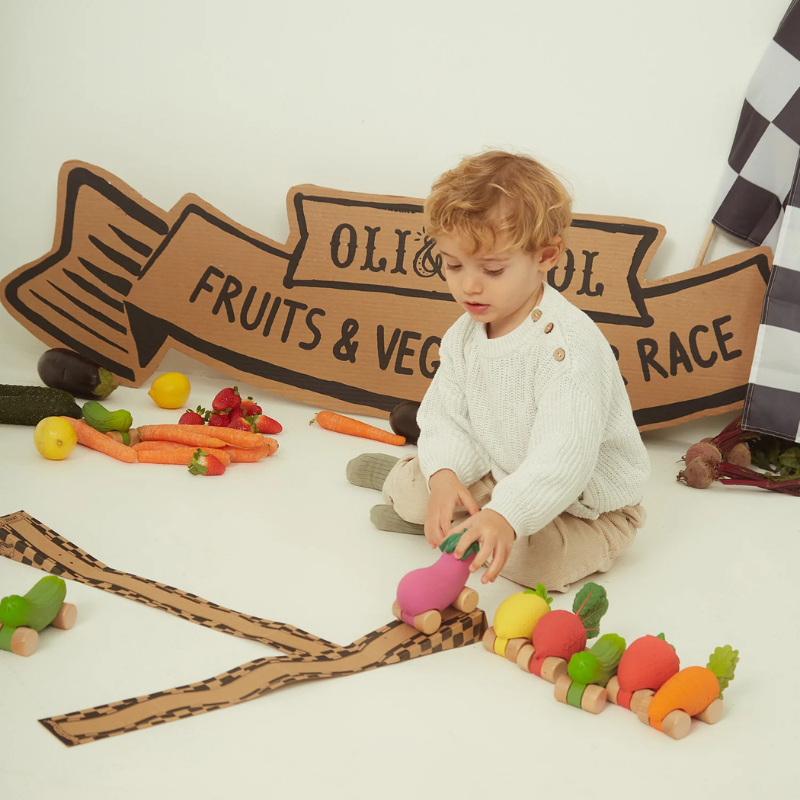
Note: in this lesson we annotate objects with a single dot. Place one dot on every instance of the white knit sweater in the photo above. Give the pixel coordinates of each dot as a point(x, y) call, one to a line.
point(557, 435)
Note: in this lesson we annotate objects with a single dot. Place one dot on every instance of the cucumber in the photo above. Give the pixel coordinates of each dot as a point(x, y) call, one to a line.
point(28, 405)
point(60, 368)
point(103, 420)
point(38, 608)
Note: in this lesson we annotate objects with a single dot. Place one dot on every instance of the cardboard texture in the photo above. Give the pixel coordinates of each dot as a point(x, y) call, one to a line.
point(25, 539)
point(349, 312)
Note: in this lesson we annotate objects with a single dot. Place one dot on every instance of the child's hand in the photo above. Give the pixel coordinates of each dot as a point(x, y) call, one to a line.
point(496, 537)
point(447, 492)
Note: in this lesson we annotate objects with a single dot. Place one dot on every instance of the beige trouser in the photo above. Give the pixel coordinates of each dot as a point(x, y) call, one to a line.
point(564, 551)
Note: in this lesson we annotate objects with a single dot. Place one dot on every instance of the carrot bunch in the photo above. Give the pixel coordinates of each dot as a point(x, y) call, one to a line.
point(180, 445)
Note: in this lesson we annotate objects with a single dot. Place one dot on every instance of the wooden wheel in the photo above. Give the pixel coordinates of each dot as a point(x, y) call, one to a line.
point(713, 713)
point(612, 689)
point(489, 638)
point(561, 689)
point(513, 647)
point(676, 724)
point(467, 601)
point(66, 617)
point(642, 696)
point(643, 710)
point(524, 657)
point(594, 699)
point(553, 668)
point(428, 622)
point(24, 642)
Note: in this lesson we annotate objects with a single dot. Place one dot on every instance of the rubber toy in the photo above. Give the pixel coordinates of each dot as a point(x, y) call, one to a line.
point(424, 593)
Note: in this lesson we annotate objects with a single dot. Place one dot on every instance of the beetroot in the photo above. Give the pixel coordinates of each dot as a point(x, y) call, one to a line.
point(705, 449)
point(705, 464)
point(739, 455)
point(699, 473)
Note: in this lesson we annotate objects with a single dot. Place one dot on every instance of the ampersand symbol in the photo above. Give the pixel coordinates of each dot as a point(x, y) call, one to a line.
point(345, 348)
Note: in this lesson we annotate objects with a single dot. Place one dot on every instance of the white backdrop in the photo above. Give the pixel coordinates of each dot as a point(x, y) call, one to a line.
point(633, 102)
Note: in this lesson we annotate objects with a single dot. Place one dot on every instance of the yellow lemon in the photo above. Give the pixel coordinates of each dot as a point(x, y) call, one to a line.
point(55, 438)
point(170, 390)
point(517, 615)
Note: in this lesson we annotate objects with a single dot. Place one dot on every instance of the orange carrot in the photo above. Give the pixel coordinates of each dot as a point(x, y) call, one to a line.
point(250, 454)
point(340, 424)
point(153, 445)
point(180, 455)
point(150, 446)
point(691, 690)
point(183, 434)
point(89, 437)
point(232, 435)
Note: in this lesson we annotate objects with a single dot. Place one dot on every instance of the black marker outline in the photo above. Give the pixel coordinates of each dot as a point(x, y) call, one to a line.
point(685, 408)
point(77, 178)
point(647, 235)
point(150, 333)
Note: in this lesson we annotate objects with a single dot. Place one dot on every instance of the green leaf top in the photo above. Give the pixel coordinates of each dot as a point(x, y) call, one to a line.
point(664, 639)
point(780, 457)
point(722, 662)
point(590, 604)
point(451, 542)
point(541, 591)
point(790, 461)
point(195, 467)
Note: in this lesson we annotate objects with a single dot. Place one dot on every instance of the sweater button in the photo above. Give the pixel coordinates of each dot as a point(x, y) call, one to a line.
point(559, 354)
point(548, 327)
point(535, 316)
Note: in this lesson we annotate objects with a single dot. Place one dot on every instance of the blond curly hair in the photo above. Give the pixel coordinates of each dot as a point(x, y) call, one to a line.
point(499, 200)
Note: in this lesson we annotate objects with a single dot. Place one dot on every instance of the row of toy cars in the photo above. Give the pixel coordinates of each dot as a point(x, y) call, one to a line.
point(644, 677)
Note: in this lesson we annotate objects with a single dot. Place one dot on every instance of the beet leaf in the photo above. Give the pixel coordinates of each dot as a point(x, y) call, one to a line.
point(590, 604)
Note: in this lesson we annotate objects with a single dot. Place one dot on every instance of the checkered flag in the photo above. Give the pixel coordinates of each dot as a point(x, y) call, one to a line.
point(759, 201)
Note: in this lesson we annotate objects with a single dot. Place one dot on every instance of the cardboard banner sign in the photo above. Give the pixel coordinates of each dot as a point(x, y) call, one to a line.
point(348, 314)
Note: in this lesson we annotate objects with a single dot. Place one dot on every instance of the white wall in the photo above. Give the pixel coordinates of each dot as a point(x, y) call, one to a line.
point(634, 102)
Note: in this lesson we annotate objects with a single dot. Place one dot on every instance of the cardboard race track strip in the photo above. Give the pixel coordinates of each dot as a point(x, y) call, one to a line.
point(390, 644)
point(25, 539)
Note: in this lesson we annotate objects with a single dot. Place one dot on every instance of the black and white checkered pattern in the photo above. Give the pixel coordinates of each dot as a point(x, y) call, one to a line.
point(759, 201)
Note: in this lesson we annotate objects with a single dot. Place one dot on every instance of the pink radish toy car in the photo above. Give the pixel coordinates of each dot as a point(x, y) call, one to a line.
point(424, 593)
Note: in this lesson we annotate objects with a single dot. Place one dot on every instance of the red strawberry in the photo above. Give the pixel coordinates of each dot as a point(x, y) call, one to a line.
point(203, 463)
point(193, 417)
point(237, 413)
point(261, 423)
point(240, 424)
point(219, 420)
point(250, 407)
point(227, 399)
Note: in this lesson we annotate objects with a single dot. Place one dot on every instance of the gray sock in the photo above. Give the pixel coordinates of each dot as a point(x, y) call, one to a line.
point(370, 470)
point(385, 518)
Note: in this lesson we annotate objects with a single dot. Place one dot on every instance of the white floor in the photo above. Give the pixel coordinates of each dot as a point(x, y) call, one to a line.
point(289, 539)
